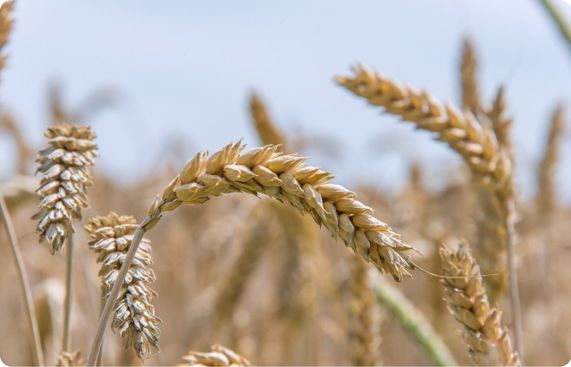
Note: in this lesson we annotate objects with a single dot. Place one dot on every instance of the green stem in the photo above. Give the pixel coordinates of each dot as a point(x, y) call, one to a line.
point(24, 285)
point(559, 21)
point(414, 323)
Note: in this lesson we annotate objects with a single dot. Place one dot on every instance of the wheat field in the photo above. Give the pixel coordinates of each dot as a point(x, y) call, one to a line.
point(251, 254)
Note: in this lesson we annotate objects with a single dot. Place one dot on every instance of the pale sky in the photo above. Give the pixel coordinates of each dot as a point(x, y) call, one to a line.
point(184, 69)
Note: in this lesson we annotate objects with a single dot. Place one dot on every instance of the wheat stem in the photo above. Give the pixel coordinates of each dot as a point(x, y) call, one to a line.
point(68, 296)
point(414, 322)
point(24, 285)
point(559, 21)
point(511, 238)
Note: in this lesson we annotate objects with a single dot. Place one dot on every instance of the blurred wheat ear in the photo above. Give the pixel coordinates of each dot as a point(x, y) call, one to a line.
point(489, 343)
point(219, 356)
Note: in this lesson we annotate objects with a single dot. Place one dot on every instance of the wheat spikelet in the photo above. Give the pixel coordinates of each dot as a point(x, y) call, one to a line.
point(287, 179)
point(134, 314)
point(65, 177)
point(489, 342)
point(469, 78)
point(70, 359)
point(266, 129)
point(364, 339)
point(219, 356)
point(546, 173)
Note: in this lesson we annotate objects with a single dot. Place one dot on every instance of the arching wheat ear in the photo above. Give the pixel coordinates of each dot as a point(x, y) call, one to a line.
point(134, 314)
point(65, 177)
point(219, 356)
point(489, 342)
point(287, 179)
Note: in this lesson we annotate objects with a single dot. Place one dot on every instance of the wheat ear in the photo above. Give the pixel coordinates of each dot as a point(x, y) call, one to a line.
point(546, 173)
point(474, 140)
point(364, 340)
point(135, 317)
point(229, 291)
point(265, 127)
point(218, 356)
point(489, 342)
point(65, 178)
point(469, 78)
point(282, 177)
point(69, 359)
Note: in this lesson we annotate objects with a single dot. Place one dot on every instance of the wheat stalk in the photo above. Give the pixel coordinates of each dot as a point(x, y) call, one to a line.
point(546, 173)
point(69, 359)
point(218, 356)
point(489, 342)
point(474, 140)
point(364, 341)
point(135, 317)
point(469, 78)
point(282, 177)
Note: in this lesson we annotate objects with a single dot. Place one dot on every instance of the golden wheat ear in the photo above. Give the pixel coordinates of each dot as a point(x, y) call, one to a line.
point(469, 78)
point(64, 166)
point(488, 341)
point(218, 356)
point(134, 315)
point(70, 359)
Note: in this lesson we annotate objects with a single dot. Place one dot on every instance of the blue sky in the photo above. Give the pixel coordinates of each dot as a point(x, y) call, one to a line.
point(184, 69)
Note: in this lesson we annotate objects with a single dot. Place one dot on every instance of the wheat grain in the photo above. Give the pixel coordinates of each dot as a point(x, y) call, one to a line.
point(469, 78)
point(489, 342)
point(219, 356)
point(65, 177)
point(135, 317)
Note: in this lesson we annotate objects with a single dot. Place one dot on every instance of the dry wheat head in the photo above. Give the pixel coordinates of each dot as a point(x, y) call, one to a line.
point(546, 174)
point(134, 315)
point(219, 356)
point(488, 341)
point(265, 127)
point(286, 178)
point(469, 78)
point(474, 140)
point(65, 177)
point(501, 124)
point(70, 359)
point(5, 28)
point(364, 334)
